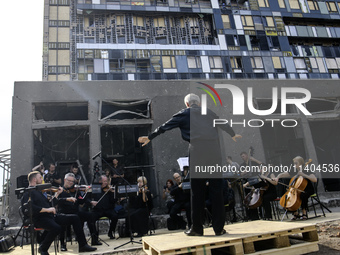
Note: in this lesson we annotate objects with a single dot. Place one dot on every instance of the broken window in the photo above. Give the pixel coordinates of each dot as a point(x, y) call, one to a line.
point(60, 111)
point(322, 105)
point(120, 110)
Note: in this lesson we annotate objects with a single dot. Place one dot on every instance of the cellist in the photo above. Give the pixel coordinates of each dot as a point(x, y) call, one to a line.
point(299, 165)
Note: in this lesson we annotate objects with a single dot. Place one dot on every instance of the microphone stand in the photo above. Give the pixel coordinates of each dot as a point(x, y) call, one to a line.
point(127, 198)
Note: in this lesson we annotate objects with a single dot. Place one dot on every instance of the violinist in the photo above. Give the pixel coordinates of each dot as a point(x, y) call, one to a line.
point(44, 216)
point(104, 204)
point(140, 207)
point(299, 165)
point(69, 201)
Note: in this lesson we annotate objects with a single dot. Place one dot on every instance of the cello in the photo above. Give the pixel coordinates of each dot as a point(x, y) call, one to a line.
point(291, 200)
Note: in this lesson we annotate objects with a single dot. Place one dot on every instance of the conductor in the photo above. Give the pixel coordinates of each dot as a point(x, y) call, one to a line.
point(204, 149)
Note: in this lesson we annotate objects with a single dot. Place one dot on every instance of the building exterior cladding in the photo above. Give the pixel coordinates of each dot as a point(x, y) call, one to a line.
point(191, 39)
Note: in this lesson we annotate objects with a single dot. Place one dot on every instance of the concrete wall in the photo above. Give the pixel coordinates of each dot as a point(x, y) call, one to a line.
point(167, 99)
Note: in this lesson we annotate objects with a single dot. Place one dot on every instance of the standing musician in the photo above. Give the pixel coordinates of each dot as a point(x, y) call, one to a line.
point(117, 172)
point(44, 216)
point(141, 206)
point(68, 203)
point(267, 183)
point(299, 165)
point(104, 206)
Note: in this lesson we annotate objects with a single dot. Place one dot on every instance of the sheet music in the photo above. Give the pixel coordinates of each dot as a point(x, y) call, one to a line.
point(182, 162)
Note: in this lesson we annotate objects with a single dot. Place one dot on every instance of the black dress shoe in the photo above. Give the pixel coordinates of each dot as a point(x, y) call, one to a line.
point(111, 236)
point(221, 233)
point(95, 242)
point(63, 247)
point(86, 248)
point(43, 252)
point(192, 232)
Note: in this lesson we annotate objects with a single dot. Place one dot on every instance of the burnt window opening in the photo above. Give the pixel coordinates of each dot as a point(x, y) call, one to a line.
point(61, 146)
point(120, 110)
point(322, 105)
point(60, 111)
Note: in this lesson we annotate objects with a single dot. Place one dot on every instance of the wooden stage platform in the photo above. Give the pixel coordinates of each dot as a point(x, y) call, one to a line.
point(256, 237)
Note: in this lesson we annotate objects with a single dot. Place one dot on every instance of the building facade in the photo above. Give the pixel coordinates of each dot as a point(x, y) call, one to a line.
point(191, 39)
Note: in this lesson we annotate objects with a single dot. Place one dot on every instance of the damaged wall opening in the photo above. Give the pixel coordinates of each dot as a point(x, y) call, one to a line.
point(63, 146)
point(119, 110)
point(60, 111)
point(121, 142)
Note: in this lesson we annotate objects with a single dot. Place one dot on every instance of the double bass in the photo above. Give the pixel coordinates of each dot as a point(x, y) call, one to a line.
point(291, 200)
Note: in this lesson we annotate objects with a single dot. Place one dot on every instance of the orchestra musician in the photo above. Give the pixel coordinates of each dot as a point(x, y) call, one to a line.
point(140, 207)
point(44, 216)
point(69, 201)
point(117, 172)
point(181, 201)
point(104, 204)
point(51, 176)
point(266, 182)
point(250, 161)
point(75, 171)
point(299, 165)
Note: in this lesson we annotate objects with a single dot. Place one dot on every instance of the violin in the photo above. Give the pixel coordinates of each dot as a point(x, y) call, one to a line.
point(109, 188)
point(291, 200)
point(78, 188)
point(51, 189)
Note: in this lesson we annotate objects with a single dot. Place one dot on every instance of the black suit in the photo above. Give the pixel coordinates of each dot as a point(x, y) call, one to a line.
point(52, 223)
point(204, 150)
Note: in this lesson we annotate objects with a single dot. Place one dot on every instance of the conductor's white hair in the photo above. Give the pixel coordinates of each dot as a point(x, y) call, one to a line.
point(191, 99)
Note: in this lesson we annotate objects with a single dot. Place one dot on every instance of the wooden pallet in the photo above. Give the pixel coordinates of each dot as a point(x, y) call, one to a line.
point(256, 237)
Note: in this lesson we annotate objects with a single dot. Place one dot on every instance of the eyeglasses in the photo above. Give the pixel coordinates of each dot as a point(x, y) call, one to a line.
point(69, 180)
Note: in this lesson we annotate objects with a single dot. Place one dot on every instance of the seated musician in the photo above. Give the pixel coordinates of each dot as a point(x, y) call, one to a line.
point(44, 216)
point(266, 182)
point(69, 201)
point(75, 171)
point(299, 165)
point(182, 201)
point(104, 204)
point(140, 207)
point(52, 176)
point(249, 161)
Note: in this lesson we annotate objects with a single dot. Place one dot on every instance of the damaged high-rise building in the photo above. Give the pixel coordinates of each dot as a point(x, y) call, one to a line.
point(190, 39)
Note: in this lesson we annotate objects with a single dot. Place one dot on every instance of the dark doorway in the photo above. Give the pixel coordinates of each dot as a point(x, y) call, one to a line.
point(281, 145)
point(121, 142)
point(326, 137)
